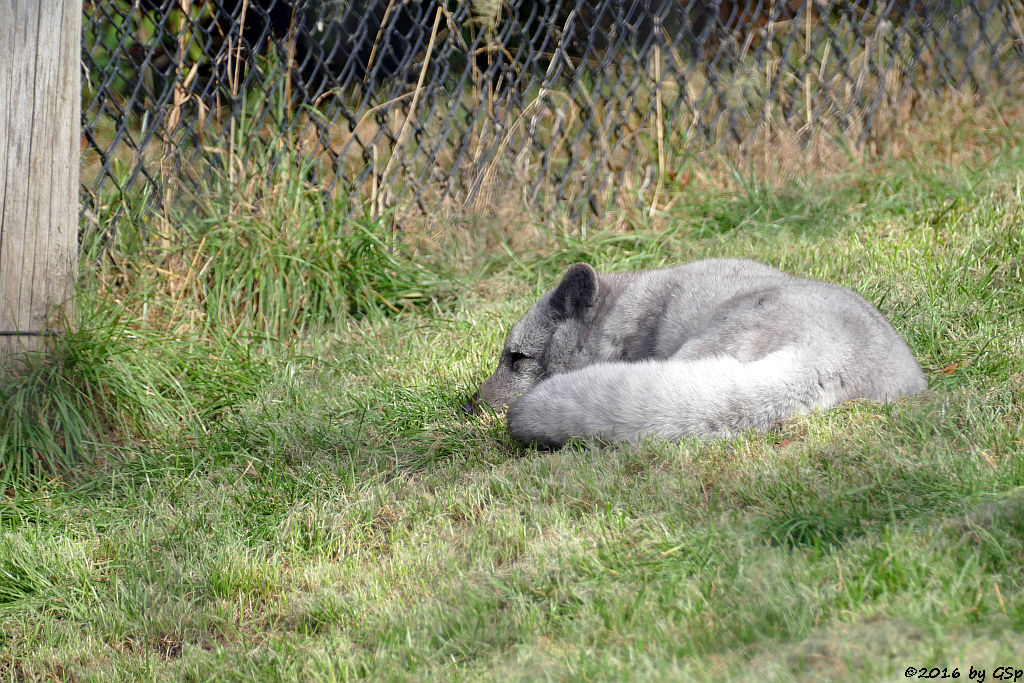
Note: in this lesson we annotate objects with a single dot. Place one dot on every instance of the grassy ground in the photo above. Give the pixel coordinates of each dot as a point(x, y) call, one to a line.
point(270, 477)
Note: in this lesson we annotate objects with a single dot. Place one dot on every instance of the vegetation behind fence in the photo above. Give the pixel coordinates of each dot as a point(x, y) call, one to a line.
point(458, 106)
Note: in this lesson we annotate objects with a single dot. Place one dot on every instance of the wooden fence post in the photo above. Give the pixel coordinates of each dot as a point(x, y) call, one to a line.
point(40, 124)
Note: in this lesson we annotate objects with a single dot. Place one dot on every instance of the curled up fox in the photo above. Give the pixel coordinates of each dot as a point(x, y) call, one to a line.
point(710, 348)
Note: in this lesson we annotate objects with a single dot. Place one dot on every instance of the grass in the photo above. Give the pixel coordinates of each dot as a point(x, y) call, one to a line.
point(273, 479)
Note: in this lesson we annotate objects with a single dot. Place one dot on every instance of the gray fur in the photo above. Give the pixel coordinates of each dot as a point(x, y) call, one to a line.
point(712, 348)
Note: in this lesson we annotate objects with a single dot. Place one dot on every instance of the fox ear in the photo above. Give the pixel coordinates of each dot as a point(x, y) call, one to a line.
point(576, 292)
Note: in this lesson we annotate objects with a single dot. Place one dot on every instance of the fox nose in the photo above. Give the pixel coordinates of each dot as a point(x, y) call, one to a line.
point(472, 406)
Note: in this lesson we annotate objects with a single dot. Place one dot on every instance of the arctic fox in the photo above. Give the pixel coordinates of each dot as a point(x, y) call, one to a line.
point(712, 348)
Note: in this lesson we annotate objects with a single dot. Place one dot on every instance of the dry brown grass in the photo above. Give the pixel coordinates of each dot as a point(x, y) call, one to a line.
point(952, 129)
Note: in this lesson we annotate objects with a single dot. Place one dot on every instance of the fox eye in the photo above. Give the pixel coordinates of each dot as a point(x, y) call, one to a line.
point(514, 357)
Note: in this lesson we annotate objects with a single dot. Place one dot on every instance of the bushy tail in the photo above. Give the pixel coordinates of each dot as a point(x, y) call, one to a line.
point(716, 396)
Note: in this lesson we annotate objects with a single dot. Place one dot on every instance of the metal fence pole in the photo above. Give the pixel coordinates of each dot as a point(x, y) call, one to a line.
point(40, 106)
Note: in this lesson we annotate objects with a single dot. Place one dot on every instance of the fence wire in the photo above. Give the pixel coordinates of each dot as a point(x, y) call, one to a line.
point(444, 105)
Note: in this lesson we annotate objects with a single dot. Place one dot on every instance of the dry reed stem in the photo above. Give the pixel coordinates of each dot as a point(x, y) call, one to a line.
point(403, 135)
point(376, 40)
point(659, 130)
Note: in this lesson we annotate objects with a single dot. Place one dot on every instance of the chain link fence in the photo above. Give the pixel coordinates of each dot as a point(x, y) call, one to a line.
point(443, 106)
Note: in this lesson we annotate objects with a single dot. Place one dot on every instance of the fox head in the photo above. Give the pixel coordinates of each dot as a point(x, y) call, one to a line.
point(548, 340)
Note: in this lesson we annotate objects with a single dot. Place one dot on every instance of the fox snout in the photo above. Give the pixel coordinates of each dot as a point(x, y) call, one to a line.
point(474, 406)
point(477, 405)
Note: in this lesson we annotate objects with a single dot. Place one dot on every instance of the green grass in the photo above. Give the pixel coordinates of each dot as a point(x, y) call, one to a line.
point(275, 480)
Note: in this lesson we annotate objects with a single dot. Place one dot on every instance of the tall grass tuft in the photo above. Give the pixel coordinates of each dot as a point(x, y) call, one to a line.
point(285, 278)
point(56, 407)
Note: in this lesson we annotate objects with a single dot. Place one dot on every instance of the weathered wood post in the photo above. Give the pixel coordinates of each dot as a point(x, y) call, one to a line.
point(40, 105)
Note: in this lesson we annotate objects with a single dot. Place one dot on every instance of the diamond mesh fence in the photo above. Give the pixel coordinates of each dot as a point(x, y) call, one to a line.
point(441, 106)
